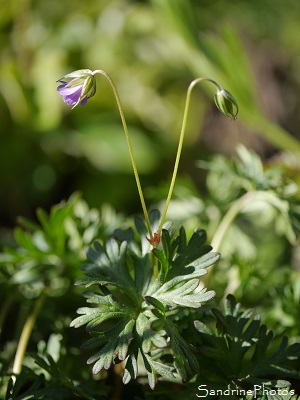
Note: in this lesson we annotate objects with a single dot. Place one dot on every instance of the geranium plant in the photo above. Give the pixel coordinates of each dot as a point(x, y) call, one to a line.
point(149, 312)
point(140, 282)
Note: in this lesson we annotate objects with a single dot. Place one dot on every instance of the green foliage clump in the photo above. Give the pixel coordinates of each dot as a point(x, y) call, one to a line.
point(130, 316)
point(153, 325)
point(241, 352)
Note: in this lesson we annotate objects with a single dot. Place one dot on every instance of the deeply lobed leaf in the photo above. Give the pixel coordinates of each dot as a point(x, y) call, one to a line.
point(129, 319)
point(239, 350)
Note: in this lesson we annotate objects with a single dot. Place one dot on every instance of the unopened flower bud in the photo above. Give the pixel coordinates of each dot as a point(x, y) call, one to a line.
point(156, 239)
point(226, 103)
point(77, 87)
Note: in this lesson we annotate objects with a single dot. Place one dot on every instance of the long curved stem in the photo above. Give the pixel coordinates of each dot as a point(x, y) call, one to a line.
point(135, 171)
point(229, 217)
point(181, 138)
point(225, 223)
point(25, 335)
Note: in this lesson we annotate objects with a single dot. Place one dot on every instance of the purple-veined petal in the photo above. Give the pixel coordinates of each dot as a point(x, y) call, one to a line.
point(66, 91)
point(70, 95)
point(76, 94)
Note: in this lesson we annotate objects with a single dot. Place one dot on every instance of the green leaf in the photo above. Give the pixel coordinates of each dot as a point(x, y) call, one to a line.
point(114, 344)
point(131, 366)
point(109, 266)
point(186, 360)
point(184, 295)
point(157, 304)
point(239, 351)
point(107, 309)
point(130, 313)
point(156, 367)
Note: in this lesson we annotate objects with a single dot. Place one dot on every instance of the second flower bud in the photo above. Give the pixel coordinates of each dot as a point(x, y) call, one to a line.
point(226, 103)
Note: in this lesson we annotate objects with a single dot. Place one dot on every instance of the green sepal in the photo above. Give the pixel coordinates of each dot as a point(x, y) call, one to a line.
point(226, 103)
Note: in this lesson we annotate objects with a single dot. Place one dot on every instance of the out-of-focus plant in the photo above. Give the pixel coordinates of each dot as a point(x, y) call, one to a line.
point(259, 204)
point(263, 210)
point(251, 190)
point(220, 55)
point(43, 263)
point(45, 376)
point(237, 355)
point(40, 40)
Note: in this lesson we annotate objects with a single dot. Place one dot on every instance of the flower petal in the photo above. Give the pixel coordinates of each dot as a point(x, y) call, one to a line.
point(70, 96)
point(66, 91)
point(79, 89)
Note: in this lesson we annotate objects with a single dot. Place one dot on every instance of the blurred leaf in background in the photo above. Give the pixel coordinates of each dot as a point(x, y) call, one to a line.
point(153, 50)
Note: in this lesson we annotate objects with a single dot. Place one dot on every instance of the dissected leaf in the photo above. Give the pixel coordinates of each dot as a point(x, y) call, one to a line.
point(129, 318)
point(239, 351)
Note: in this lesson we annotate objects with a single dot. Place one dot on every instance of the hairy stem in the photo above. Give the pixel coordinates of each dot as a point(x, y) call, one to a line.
point(135, 171)
point(181, 138)
point(25, 335)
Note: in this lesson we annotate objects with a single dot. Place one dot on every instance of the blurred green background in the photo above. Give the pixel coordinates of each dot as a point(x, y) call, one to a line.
point(152, 49)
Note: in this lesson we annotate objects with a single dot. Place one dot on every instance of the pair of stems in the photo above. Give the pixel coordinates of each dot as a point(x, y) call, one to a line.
point(154, 237)
point(29, 324)
point(227, 220)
